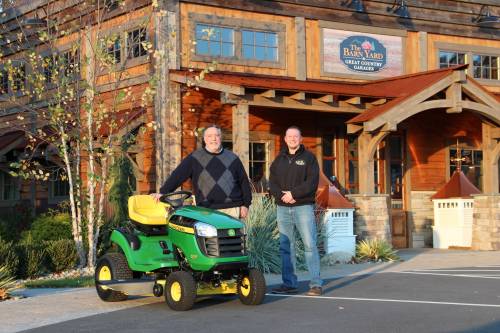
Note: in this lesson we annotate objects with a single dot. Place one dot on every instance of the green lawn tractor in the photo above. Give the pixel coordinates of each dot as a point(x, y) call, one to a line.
point(179, 252)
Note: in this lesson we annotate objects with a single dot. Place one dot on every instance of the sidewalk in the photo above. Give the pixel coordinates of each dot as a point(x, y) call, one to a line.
point(49, 306)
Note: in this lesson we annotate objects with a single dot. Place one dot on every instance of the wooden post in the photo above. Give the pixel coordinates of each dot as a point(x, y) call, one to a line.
point(168, 98)
point(365, 164)
point(491, 149)
point(367, 146)
point(241, 134)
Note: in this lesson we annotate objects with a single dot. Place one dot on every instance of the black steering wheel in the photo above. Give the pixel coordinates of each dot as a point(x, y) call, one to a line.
point(175, 199)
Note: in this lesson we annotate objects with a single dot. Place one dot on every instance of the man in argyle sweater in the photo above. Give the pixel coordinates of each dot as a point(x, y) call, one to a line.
point(218, 176)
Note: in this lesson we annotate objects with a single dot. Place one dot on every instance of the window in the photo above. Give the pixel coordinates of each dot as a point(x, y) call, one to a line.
point(352, 160)
point(260, 45)
point(485, 67)
point(69, 62)
point(4, 82)
point(49, 69)
point(258, 163)
point(214, 41)
point(9, 187)
point(60, 188)
point(111, 4)
point(451, 58)
point(396, 164)
point(328, 154)
point(471, 160)
point(114, 50)
point(135, 40)
point(18, 78)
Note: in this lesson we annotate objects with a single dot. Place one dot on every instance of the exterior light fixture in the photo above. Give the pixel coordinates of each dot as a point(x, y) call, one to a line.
point(34, 22)
point(485, 16)
point(357, 5)
point(399, 8)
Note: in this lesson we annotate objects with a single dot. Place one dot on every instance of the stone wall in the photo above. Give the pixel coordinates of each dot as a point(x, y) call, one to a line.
point(371, 216)
point(421, 218)
point(486, 222)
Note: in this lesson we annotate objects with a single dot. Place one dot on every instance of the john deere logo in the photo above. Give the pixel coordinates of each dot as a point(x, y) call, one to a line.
point(300, 162)
point(231, 232)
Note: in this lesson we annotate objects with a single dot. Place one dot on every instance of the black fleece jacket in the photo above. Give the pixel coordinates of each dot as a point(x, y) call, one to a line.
point(298, 173)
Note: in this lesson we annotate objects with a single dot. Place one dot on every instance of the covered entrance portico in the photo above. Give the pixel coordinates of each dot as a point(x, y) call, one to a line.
point(371, 158)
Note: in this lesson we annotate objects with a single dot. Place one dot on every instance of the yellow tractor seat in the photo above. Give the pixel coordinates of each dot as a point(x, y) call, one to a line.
point(144, 209)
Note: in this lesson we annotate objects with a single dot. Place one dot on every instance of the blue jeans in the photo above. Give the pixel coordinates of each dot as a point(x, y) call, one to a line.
point(302, 218)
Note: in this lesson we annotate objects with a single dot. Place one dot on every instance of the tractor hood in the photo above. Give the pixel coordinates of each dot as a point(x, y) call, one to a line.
point(215, 218)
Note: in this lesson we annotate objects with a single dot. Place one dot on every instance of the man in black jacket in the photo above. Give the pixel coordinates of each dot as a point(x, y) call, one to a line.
point(219, 178)
point(293, 183)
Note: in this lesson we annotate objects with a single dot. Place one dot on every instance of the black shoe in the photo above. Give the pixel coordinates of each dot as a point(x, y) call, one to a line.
point(284, 290)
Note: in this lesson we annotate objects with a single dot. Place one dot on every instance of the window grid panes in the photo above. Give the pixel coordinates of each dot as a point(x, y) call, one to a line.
point(49, 69)
point(451, 58)
point(471, 161)
point(69, 62)
point(135, 40)
point(485, 67)
point(352, 159)
point(328, 155)
point(18, 78)
point(8, 186)
point(214, 41)
point(114, 50)
point(60, 188)
point(4, 82)
point(259, 45)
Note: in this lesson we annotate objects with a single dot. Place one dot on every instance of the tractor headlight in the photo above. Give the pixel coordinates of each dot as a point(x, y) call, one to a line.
point(205, 230)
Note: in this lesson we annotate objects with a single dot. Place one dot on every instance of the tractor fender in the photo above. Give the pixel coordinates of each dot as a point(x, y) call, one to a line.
point(121, 241)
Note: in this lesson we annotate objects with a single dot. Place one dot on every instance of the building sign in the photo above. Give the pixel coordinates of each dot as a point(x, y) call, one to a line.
point(363, 54)
point(355, 53)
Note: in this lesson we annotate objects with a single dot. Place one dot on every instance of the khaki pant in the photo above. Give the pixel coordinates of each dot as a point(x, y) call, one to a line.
point(234, 212)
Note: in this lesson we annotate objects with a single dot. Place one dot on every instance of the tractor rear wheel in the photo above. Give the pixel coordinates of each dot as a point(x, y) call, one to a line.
point(251, 287)
point(111, 266)
point(180, 291)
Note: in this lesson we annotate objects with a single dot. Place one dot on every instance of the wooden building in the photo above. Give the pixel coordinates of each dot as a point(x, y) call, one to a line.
point(385, 93)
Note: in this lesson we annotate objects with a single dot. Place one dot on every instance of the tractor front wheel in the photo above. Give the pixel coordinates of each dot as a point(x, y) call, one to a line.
point(180, 291)
point(111, 266)
point(251, 287)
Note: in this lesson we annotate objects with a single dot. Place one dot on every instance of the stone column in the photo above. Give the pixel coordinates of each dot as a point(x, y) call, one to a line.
point(421, 218)
point(486, 222)
point(372, 216)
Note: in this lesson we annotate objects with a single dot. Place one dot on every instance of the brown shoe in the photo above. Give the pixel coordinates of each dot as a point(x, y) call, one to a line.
point(314, 291)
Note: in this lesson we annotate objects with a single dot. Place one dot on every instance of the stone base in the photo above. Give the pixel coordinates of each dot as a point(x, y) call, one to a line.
point(486, 222)
point(372, 216)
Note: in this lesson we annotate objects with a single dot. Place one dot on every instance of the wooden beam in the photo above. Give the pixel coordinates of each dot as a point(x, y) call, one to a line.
point(232, 89)
point(454, 94)
point(353, 128)
point(495, 133)
point(269, 93)
point(389, 127)
point(300, 96)
point(379, 101)
point(290, 103)
point(241, 136)
point(326, 99)
point(353, 100)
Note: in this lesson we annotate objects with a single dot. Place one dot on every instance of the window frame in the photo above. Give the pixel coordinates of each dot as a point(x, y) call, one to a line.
point(17, 184)
point(238, 25)
point(470, 51)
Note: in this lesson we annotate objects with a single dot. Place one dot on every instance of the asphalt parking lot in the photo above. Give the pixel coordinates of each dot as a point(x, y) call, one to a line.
point(451, 299)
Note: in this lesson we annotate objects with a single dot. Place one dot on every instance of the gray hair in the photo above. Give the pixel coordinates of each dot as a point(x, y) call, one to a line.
point(212, 126)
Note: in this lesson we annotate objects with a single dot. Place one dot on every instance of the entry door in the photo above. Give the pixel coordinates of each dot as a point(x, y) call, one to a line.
point(396, 189)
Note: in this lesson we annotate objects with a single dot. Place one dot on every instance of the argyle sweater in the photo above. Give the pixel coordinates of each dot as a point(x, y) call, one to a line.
point(219, 179)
